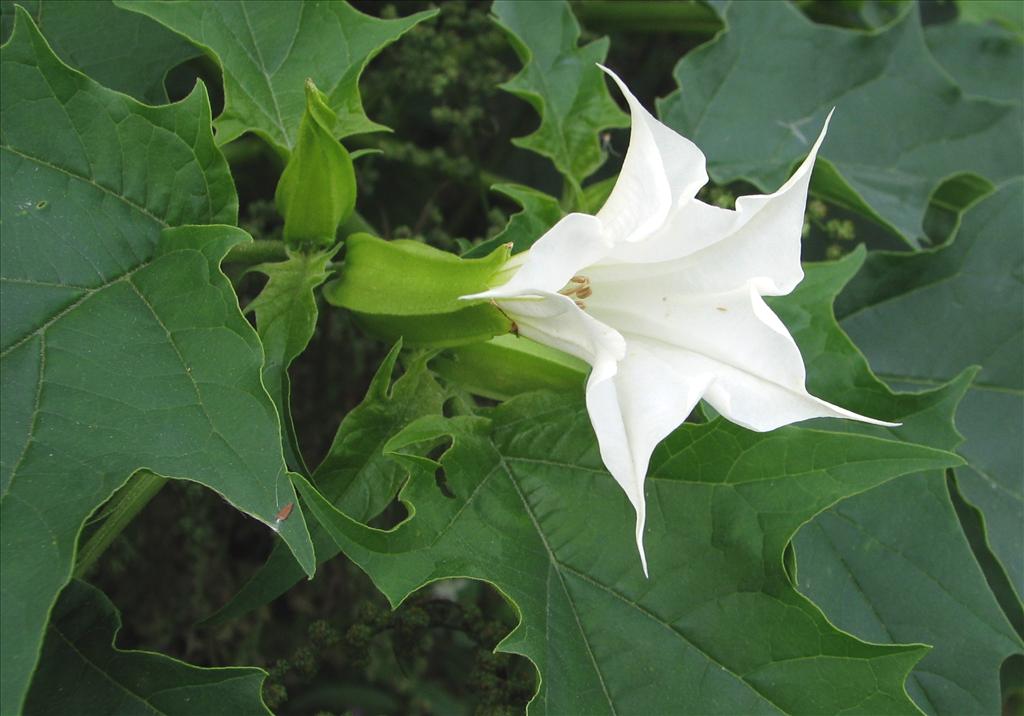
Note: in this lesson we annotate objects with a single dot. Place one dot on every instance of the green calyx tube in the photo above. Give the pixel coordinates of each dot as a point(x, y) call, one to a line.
point(405, 289)
point(317, 190)
point(509, 365)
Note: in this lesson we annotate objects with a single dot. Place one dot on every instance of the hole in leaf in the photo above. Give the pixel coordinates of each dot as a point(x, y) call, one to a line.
point(440, 477)
point(1011, 682)
point(391, 516)
point(442, 483)
point(451, 407)
point(973, 524)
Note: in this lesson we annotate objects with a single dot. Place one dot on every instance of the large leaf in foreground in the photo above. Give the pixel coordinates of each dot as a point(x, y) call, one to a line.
point(717, 629)
point(356, 476)
point(860, 559)
point(969, 294)
point(901, 127)
point(562, 82)
point(81, 672)
point(267, 50)
point(135, 53)
point(121, 344)
point(953, 609)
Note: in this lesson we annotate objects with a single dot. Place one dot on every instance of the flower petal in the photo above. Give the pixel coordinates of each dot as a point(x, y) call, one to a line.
point(759, 372)
point(568, 246)
point(704, 248)
point(556, 321)
point(661, 169)
point(757, 401)
point(633, 410)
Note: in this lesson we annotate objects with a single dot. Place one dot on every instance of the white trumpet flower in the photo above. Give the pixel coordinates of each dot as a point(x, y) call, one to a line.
point(662, 295)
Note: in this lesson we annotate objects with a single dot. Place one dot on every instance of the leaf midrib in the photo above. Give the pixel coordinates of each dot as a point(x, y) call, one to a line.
point(89, 293)
point(558, 565)
point(554, 564)
point(867, 600)
point(104, 674)
point(89, 180)
point(123, 687)
point(266, 76)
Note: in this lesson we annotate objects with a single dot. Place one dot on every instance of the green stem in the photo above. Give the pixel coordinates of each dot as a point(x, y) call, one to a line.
point(125, 505)
point(688, 18)
point(264, 251)
point(572, 196)
point(356, 224)
point(249, 150)
point(257, 252)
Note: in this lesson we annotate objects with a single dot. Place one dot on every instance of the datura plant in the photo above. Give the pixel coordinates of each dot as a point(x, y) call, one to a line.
point(662, 295)
point(530, 388)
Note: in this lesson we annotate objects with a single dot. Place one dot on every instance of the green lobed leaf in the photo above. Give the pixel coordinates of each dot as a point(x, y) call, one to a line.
point(839, 372)
point(267, 50)
point(355, 476)
point(953, 609)
point(985, 60)
point(861, 559)
point(134, 55)
point(286, 316)
point(717, 629)
point(82, 672)
point(969, 293)
point(121, 343)
point(901, 126)
point(596, 194)
point(892, 565)
point(540, 212)
point(562, 82)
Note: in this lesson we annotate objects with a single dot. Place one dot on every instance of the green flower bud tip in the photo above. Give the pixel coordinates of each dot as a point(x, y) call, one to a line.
point(317, 190)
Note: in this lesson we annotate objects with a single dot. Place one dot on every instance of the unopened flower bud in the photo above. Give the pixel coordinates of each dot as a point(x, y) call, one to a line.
point(317, 190)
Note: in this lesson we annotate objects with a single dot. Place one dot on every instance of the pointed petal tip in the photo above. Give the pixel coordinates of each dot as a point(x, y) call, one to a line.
point(843, 413)
point(828, 120)
point(618, 80)
point(643, 559)
point(640, 522)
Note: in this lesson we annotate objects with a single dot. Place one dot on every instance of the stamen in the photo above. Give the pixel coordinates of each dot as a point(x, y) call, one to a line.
point(578, 289)
point(577, 285)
